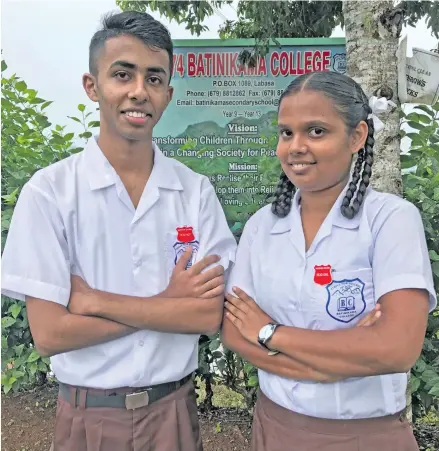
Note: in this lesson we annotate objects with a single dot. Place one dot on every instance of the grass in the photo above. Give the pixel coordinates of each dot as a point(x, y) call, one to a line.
point(431, 418)
point(222, 396)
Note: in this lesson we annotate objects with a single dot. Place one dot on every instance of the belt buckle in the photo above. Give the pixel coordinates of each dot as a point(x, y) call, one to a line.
point(136, 400)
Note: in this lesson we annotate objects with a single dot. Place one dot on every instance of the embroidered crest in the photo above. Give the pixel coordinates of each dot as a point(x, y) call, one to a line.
point(185, 238)
point(345, 299)
point(322, 274)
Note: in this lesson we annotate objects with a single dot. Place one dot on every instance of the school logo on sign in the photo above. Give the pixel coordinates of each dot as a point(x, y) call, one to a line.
point(339, 63)
point(345, 299)
point(185, 238)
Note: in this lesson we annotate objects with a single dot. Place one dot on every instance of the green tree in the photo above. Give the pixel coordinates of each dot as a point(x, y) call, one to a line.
point(265, 21)
point(421, 187)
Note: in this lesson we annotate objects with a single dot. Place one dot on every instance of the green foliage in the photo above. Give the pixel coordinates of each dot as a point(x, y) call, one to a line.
point(29, 143)
point(192, 13)
point(421, 187)
point(266, 21)
point(415, 11)
point(220, 366)
point(270, 20)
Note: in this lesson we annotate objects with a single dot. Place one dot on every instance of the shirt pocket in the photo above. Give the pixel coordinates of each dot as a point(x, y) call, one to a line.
point(341, 303)
point(176, 243)
point(274, 296)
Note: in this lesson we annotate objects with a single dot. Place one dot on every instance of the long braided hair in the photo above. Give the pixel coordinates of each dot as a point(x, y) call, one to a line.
point(351, 103)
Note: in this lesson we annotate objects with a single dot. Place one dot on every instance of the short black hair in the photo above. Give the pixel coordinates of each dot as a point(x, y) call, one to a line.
point(131, 23)
point(352, 104)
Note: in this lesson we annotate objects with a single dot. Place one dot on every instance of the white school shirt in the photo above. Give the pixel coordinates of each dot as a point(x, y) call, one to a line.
point(76, 216)
point(383, 248)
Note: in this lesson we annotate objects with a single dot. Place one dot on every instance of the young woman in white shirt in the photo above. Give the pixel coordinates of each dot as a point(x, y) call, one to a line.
point(319, 261)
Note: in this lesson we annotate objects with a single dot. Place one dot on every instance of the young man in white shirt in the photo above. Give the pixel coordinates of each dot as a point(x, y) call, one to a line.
point(121, 256)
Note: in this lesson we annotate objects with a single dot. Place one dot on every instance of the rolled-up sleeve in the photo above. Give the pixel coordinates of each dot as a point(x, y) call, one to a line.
point(35, 259)
point(401, 257)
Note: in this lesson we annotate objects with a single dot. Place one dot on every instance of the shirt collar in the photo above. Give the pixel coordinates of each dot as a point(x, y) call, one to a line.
point(334, 218)
point(101, 174)
point(99, 171)
point(166, 175)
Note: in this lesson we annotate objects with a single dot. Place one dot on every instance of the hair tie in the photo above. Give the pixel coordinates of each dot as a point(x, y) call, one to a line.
point(378, 106)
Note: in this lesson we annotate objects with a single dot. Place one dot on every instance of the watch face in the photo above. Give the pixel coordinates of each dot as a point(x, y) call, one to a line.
point(266, 332)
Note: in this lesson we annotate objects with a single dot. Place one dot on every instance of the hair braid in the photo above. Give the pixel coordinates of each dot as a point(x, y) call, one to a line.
point(283, 197)
point(364, 156)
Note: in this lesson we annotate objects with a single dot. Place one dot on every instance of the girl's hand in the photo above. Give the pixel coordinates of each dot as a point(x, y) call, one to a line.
point(243, 312)
point(245, 315)
point(371, 318)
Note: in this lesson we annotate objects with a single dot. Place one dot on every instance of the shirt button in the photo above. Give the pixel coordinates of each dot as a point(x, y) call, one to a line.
point(141, 343)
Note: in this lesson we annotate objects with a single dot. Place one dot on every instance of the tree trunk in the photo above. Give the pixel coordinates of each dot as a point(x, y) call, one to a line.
point(372, 36)
point(372, 31)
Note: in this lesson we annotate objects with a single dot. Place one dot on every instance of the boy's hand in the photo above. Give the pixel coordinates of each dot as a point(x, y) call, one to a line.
point(192, 282)
point(83, 299)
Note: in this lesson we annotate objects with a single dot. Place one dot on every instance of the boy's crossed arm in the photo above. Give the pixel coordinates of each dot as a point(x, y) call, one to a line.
point(192, 303)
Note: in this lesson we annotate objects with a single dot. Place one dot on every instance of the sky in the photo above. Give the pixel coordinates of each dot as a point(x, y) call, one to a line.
point(45, 42)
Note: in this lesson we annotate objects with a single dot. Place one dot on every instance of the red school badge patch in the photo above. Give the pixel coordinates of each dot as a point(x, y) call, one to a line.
point(185, 234)
point(322, 274)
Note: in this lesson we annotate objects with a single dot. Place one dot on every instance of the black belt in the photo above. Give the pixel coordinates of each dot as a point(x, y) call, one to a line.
point(138, 398)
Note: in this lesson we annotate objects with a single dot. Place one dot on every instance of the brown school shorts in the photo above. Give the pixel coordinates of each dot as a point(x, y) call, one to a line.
point(278, 429)
point(169, 424)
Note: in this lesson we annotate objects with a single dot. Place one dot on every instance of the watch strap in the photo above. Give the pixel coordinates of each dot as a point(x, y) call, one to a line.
point(263, 342)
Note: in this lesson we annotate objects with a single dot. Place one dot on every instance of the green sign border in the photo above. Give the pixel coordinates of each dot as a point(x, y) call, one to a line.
point(251, 42)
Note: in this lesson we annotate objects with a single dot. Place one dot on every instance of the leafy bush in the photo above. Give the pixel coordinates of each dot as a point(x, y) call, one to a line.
point(421, 187)
point(220, 366)
point(29, 142)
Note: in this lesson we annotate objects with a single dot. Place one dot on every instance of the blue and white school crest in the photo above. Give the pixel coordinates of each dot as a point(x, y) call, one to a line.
point(339, 63)
point(345, 299)
point(180, 248)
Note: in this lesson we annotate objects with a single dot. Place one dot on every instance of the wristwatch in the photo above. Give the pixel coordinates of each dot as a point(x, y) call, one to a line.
point(266, 333)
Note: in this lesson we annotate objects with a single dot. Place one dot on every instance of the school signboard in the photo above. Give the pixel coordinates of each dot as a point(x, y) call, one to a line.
point(222, 119)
